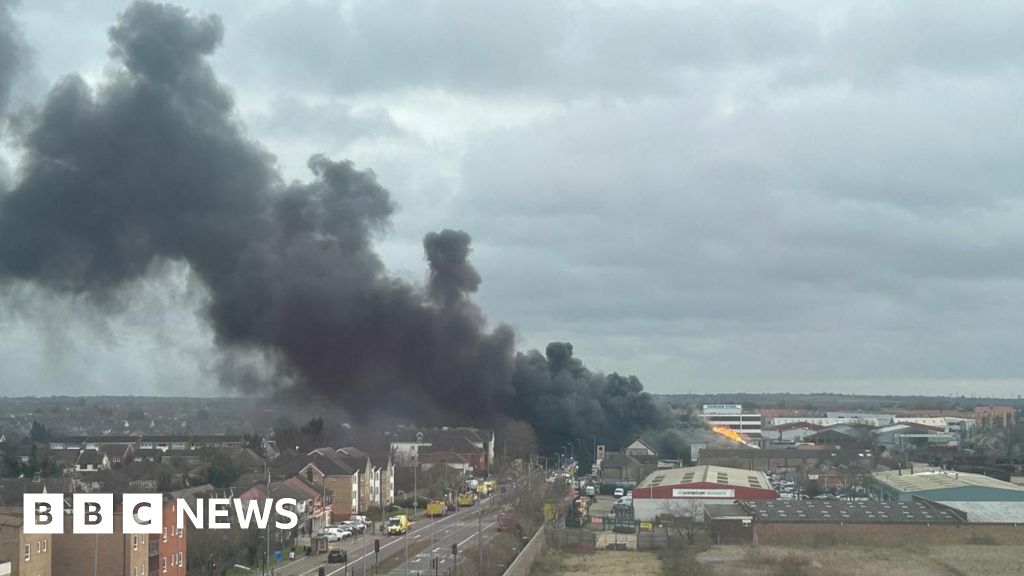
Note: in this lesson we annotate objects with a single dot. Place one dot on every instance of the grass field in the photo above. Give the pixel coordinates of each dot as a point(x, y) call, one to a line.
point(554, 563)
point(855, 561)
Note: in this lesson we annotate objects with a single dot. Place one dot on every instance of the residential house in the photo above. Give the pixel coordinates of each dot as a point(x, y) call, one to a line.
point(117, 454)
point(640, 448)
point(360, 461)
point(619, 467)
point(13, 490)
point(92, 460)
point(460, 446)
point(325, 468)
point(408, 444)
point(384, 472)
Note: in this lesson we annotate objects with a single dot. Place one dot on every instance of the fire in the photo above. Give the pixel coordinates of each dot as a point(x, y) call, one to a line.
point(733, 435)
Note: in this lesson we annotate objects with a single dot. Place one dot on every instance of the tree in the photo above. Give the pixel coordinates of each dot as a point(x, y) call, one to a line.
point(222, 470)
point(254, 442)
point(39, 433)
point(314, 430)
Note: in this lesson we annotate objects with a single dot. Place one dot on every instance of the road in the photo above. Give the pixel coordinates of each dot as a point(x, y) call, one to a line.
point(460, 528)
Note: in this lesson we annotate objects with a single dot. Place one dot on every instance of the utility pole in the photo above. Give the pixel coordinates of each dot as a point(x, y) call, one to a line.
point(267, 469)
point(480, 538)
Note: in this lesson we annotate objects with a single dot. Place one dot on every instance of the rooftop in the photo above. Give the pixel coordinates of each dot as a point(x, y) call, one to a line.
point(939, 479)
point(712, 474)
point(847, 512)
point(990, 512)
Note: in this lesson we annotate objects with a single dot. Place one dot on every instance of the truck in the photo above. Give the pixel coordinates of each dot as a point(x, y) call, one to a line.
point(437, 508)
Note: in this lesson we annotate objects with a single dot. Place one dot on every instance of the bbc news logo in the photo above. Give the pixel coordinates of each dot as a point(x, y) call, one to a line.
point(143, 513)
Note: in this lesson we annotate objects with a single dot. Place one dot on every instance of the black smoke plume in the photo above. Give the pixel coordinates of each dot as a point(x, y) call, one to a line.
point(11, 53)
point(566, 402)
point(153, 167)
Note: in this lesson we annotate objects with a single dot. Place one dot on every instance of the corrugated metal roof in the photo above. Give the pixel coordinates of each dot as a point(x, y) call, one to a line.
point(938, 479)
point(848, 512)
point(990, 512)
point(714, 474)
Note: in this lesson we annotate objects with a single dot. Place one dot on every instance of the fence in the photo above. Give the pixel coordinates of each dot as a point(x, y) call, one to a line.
point(524, 561)
point(571, 538)
point(580, 540)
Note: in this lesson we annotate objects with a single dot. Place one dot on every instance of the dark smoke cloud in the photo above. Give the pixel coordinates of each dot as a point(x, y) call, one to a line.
point(153, 168)
point(564, 401)
point(11, 53)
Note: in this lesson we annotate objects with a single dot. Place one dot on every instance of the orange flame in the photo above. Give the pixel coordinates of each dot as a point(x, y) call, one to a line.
point(730, 434)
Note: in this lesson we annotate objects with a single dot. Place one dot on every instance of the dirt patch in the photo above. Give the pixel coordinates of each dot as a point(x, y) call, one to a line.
point(597, 564)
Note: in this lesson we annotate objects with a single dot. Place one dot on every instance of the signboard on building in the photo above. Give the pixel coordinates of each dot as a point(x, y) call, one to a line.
point(723, 409)
point(703, 493)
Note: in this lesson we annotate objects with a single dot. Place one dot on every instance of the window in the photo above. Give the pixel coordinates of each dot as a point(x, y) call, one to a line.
point(44, 545)
point(165, 533)
point(39, 547)
point(179, 558)
point(135, 542)
point(28, 552)
point(163, 563)
point(180, 532)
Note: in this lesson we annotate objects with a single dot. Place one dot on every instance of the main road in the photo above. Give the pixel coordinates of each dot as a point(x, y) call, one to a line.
point(428, 538)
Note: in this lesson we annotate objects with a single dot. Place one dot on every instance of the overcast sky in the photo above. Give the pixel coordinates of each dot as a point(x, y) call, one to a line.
point(714, 196)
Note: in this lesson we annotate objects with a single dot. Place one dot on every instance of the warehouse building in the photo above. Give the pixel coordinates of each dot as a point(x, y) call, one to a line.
point(685, 491)
point(856, 523)
point(766, 460)
point(942, 486)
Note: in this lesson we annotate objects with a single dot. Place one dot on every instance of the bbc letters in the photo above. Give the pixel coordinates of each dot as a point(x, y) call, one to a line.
point(143, 513)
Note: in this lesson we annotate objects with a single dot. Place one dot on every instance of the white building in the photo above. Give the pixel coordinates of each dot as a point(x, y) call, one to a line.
point(732, 416)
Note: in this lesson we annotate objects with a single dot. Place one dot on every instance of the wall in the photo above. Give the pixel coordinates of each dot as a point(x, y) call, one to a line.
point(810, 534)
point(77, 554)
point(522, 564)
point(12, 549)
point(173, 544)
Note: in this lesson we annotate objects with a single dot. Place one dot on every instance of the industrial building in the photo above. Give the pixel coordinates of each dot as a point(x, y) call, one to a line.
point(685, 491)
point(732, 416)
point(858, 523)
point(941, 486)
point(766, 460)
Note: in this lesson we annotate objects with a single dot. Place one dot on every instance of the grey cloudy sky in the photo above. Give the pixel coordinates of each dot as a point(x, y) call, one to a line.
point(710, 195)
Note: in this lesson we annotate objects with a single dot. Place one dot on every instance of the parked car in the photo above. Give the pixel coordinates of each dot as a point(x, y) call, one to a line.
point(337, 533)
point(337, 556)
point(619, 492)
point(356, 526)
